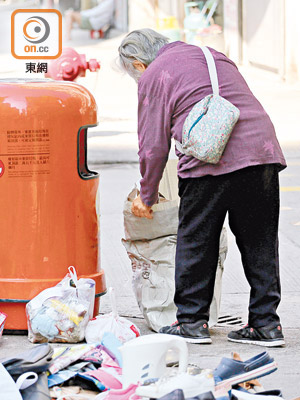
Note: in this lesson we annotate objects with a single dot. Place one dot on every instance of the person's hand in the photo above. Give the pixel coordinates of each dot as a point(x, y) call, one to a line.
point(139, 209)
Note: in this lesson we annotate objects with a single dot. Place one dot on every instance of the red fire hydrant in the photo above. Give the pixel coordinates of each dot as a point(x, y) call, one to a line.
point(70, 65)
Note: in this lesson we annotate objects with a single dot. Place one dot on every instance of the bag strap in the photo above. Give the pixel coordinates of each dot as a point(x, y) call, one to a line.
point(212, 70)
point(73, 275)
point(113, 303)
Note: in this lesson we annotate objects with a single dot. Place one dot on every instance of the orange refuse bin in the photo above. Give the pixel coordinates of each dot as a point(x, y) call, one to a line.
point(49, 202)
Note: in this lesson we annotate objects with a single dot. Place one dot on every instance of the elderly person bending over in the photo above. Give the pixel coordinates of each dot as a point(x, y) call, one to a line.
point(93, 19)
point(172, 78)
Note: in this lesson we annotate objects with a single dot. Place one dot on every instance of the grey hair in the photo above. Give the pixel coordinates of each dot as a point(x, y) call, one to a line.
point(141, 45)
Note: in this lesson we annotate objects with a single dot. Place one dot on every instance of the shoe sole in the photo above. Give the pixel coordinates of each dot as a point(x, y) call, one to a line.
point(191, 387)
point(274, 343)
point(198, 341)
point(256, 373)
point(241, 395)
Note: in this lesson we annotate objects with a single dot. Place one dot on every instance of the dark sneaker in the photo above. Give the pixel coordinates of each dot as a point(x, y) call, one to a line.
point(192, 332)
point(269, 336)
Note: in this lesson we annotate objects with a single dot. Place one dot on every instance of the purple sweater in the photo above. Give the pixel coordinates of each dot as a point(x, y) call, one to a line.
point(167, 91)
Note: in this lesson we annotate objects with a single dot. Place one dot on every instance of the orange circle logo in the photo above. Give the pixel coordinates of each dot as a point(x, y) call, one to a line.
point(36, 29)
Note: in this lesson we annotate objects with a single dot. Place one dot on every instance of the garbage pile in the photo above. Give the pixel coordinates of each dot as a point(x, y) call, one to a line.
point(135, 370)
point(115, 363)
point(64, 313)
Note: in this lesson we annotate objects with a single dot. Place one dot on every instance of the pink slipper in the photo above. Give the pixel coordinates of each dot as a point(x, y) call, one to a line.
point(123, 394)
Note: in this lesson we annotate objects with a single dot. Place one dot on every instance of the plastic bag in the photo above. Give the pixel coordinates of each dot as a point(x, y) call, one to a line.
point(61, 313)
point(122, 328)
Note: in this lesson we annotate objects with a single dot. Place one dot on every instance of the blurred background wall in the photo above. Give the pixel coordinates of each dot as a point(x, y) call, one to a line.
point(262, 33)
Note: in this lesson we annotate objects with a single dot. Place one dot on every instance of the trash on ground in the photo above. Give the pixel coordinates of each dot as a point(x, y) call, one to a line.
point(61, 313)
point(134, 370)
point(121, 327)
point(145, 357)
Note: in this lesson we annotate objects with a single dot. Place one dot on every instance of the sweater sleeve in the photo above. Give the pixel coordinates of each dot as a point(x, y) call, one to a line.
point(154, 134)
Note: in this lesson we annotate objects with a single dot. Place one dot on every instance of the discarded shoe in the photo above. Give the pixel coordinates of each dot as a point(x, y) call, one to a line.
point(273, 393)
point(269, 336)
point(175, 395)
point(36, 359)
point(251, 386)
point(270, 395)
point(38, 390)
point(27, 379)
point(192, 332)
point(119, 394)
point(191, 385)
point(234, 371)
point(178, 395)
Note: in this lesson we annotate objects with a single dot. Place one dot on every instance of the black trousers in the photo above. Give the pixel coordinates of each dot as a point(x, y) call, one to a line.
point(251, 198)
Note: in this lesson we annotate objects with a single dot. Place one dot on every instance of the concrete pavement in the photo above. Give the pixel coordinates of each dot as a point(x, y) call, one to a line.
point(114, 141)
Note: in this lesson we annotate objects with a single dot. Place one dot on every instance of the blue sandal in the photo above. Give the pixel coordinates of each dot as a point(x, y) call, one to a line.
point(233, 371)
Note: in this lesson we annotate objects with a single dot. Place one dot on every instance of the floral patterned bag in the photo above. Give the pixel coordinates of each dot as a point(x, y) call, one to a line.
point(209, 124)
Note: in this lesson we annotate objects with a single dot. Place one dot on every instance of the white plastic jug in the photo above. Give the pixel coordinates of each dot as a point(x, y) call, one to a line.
point(145, 357)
